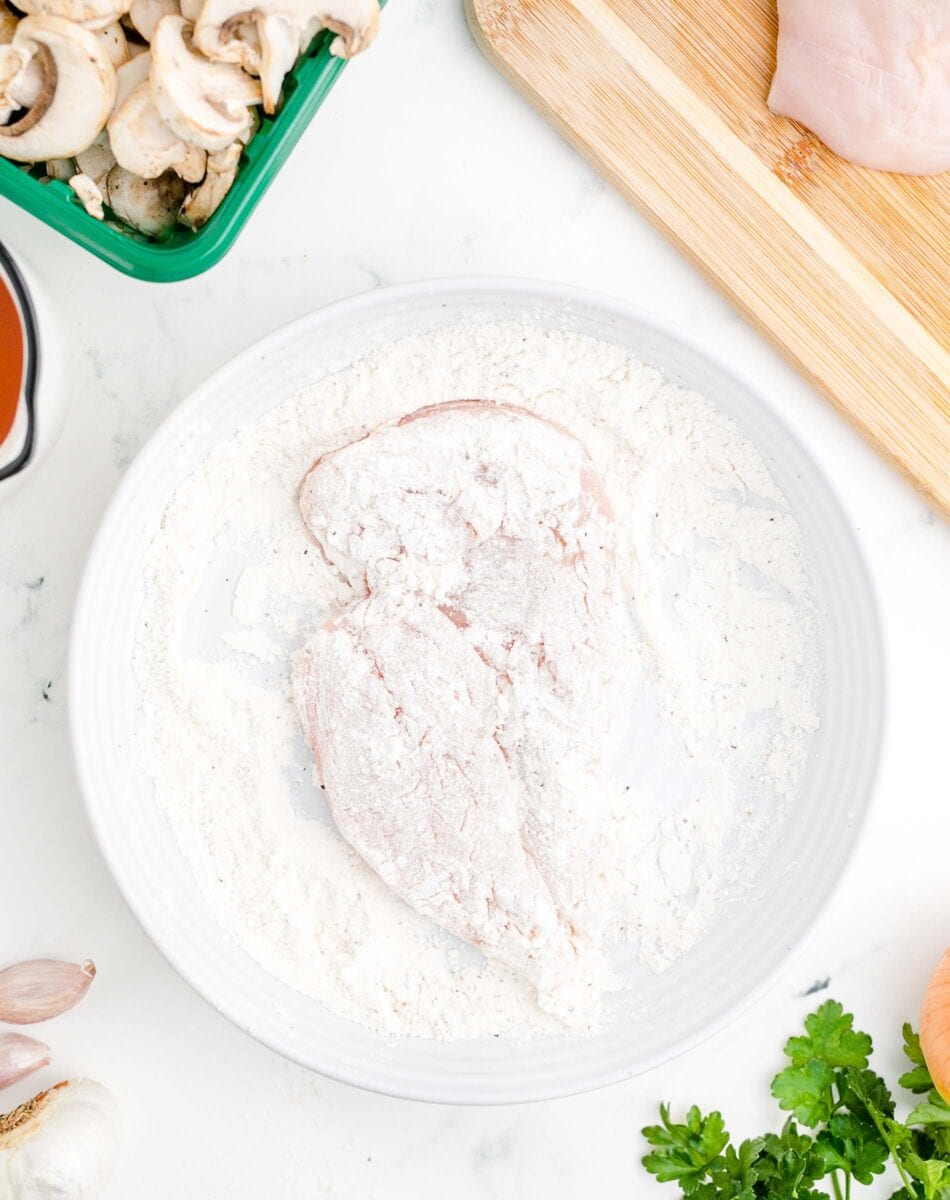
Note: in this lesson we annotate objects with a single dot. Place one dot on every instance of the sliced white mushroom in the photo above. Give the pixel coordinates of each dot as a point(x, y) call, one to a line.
point(283, 29)
point(77, 95)
point(203, 102)
point(130, 75)
point(94, 14)
point(21, 80)
point(90, 194)
point(146, 14)
point(61, 168)
point(144, 145)
point(114, 40)
point(243, 43)
point(281, 44)
point(191, 9)
point(205, 199)
point(8, 24)
point(149, 205)
point(97, 160)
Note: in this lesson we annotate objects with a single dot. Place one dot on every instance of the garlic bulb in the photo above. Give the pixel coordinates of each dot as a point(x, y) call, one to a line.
point(36, 991)
point(20, 1056)
point(61, 1145)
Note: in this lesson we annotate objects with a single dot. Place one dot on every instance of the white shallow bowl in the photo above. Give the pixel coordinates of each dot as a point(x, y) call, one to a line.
point(737, 958)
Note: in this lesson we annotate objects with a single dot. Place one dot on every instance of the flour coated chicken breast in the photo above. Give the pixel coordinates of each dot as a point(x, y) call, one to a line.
point(479, 545)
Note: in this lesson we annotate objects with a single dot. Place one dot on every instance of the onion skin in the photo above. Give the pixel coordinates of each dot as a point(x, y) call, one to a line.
point(935, 1027)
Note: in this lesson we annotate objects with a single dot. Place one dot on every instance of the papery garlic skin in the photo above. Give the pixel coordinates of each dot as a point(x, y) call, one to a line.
point(20, 1056)
point(62, 1145)
point(38, 990)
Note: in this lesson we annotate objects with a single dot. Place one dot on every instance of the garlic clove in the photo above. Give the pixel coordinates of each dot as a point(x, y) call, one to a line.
point(36, 991)
point(20, 1056)
point(61, 1145)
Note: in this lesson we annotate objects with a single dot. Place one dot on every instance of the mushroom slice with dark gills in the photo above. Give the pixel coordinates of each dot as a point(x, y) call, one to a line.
point(76, 89)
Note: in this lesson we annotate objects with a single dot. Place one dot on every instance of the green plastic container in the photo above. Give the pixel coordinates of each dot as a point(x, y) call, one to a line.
point(181, 252)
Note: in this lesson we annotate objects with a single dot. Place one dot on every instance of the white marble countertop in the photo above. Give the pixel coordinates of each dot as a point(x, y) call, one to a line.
point(423, 163)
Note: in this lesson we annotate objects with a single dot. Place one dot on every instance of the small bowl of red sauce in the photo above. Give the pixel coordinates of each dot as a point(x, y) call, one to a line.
point(31, 414)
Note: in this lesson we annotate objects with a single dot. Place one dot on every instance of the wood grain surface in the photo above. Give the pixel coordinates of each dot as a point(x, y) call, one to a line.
point(846, 270)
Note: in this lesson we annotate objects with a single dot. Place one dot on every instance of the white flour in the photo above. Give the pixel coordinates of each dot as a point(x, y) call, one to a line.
point(714, 568)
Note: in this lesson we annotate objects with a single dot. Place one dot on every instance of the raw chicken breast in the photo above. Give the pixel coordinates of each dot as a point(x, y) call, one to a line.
point(870, 77)
point(402, 715)
point(497, 516)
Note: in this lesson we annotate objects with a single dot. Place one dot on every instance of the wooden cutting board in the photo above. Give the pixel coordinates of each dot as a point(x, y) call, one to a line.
point(845, 270)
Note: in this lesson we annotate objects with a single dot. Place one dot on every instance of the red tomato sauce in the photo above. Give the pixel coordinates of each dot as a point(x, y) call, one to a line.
point(11, 359)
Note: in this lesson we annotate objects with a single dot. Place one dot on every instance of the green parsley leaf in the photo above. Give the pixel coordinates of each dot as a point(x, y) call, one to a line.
point(831, 1039)
point(684, 1152)
point(932, 1173)
point(868, 1158)
point(789, 1164)
point(805, 1091)
point(925, 1142)
point(917, 1080)
point(866, 1091)
point(828, 1087)
point(832, 1153)
point(734, 1175)
point(912, 1046)
point(854, 1146)
point(938, 1138)
point(933, 1111)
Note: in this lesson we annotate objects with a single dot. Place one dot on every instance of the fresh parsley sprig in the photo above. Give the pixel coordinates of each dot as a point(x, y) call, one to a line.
point(842, 1129)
